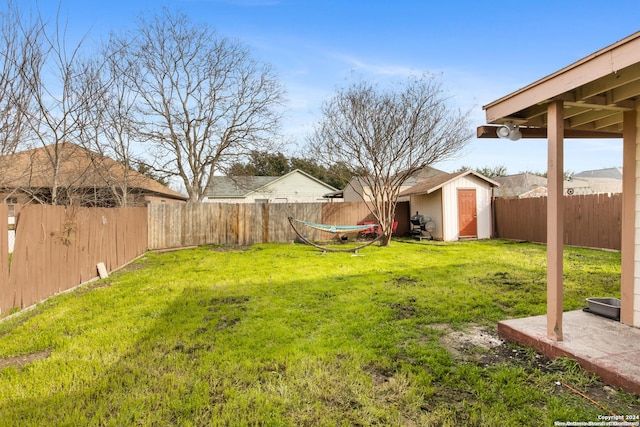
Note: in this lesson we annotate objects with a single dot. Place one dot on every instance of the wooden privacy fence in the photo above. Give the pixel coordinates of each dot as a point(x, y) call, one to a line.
point(590, 220)
point(180, 225)
point(58, 248)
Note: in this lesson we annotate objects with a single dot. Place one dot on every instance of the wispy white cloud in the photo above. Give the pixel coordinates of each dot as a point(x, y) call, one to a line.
point(387, 70)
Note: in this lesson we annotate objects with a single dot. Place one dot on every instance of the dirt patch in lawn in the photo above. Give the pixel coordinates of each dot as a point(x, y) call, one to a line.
point(477, 344)
point(471, 344)
point(22, 360)
point(483, 346)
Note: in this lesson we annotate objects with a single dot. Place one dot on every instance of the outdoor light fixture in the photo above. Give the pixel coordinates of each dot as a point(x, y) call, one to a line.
point(509, 130)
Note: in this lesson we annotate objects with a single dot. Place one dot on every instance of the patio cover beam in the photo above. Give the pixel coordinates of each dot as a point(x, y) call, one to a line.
point(541, 133)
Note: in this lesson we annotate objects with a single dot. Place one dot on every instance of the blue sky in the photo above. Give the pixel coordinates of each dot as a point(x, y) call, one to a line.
point(480, 51)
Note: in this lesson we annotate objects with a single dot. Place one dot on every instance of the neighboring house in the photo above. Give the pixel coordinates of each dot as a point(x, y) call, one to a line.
point(611, 173)
point(357, 191)
point(525, 185)
point(597, 181)
point(580, 186)
point(458, 203)
point(522, 185)
point(83, 178)
point(295, 187)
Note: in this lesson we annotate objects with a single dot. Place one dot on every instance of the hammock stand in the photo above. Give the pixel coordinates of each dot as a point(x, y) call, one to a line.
point(332, 229)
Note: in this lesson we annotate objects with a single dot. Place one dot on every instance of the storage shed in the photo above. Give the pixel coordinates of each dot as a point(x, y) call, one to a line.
point(458, 203)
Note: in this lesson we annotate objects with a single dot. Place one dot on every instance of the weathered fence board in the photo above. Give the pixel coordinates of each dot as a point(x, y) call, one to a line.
point(590, 220)
point(58, 248)
point(4, 252)
point(173, 225)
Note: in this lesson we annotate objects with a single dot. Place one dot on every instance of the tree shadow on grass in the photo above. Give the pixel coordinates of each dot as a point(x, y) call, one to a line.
point(213, 355)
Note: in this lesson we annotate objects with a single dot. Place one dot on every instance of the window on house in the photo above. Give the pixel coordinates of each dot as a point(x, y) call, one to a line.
point(261, 201)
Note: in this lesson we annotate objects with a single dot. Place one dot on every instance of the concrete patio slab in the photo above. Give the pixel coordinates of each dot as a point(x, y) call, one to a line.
point(603, 346)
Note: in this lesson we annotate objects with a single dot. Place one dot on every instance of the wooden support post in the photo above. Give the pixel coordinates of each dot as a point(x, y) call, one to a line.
point(630, 140)
point(555, 220)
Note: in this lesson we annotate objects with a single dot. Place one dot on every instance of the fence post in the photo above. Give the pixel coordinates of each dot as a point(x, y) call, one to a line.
point(4, 259)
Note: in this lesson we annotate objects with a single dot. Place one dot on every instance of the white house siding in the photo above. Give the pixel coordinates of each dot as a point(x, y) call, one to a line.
point(229, 200)
point(293, 188)
point(483, 205)
point(429, 205)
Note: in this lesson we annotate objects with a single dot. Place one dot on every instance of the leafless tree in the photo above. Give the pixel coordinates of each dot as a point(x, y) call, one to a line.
point(105, 126)
point(74, 98)
point(202, 100)
point(385, 135)
point(60, 99)
point(20, 53)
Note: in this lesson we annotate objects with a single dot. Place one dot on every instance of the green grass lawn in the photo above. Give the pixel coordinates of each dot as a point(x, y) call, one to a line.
point(278, 335)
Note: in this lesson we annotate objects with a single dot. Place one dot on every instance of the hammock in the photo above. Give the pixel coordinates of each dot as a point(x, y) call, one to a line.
point(333, 229)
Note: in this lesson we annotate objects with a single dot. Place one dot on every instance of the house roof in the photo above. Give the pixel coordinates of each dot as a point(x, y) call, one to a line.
point(79, 167)
point(521, 180)
point(519, 184)
point(416, 177)
point(434, 183)
point(612, 173)
point(525, 184)
point(237, 186)
point(243, 186)
point(596, 91)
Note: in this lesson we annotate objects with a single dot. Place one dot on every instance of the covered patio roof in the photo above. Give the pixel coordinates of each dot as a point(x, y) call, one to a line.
point(595, 97)
point(595, 92)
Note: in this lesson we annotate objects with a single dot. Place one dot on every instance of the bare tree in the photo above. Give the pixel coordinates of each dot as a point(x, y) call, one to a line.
point(203, 102)
point(19, 55)
point(384, 136)
point(54, 99)
point(60, 99)
point(105, 126)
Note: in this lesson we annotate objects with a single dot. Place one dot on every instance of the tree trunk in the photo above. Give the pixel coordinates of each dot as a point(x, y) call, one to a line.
point(386, 238)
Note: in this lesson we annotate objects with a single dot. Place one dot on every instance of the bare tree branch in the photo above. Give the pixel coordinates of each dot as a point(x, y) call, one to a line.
point(384, 136)
point(202, 101)
point(20, 54)
point(60, 98)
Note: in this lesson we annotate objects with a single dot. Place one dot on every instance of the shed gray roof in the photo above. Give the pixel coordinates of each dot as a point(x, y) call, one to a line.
point(433, 183)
